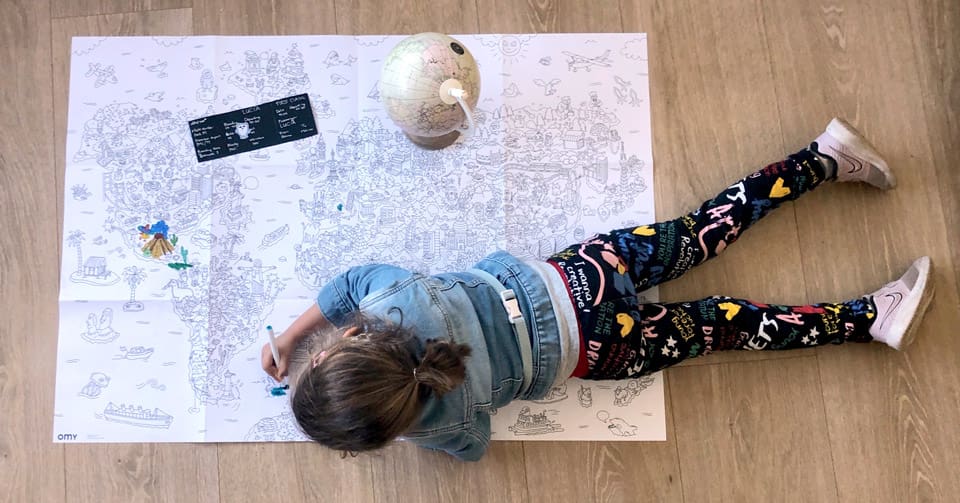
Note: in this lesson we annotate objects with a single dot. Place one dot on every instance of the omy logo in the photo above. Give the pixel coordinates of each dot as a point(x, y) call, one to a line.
point(66, 436)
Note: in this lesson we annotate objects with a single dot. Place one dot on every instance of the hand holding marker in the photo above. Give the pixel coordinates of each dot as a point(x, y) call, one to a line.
point(279, 390)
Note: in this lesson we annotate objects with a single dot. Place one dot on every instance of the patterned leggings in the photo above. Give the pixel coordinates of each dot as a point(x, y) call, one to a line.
point(620, 337)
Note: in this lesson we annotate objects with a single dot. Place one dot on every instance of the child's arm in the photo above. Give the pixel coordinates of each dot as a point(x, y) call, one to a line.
point(340, 297)
point(312, 320)
point(335, 304)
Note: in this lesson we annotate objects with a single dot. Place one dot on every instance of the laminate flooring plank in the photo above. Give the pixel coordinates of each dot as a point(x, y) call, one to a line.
point(403, 472)
point(31, 466)
point(606, 471)
point(264, 17)
point(935, 30)
point(127, 472)
point(548, 16)
point(753, 431)
point(406, 17)
point(309, 472)
point(715, 120)
point(76, 8)
point(586, 471)
point(885, 410)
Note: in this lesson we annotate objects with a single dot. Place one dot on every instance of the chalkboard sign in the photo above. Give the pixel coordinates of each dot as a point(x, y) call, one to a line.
point(253, 128)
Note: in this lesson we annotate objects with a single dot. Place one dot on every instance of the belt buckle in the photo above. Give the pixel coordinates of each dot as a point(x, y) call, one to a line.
point(511, 304)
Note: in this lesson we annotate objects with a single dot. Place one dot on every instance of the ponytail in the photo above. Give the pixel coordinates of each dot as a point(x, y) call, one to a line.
point(442, 367)
point(371, 388)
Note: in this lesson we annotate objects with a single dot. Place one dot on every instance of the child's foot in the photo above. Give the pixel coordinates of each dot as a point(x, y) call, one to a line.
point(854, 158)
point(901, 304)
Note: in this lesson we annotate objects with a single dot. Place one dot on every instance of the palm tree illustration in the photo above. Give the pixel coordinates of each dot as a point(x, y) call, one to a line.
point(230, 241)
point(133, 275)
point(75, 239)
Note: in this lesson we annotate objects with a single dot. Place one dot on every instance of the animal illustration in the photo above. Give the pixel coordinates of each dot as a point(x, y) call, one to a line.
point(98, 381)
point(549, 88)
point(585, 396)
point(617, 425)
point(333, 59)
point(621, 428)
point(625, 93)
point(623, 395)
point(104, 75)
point(512, 91)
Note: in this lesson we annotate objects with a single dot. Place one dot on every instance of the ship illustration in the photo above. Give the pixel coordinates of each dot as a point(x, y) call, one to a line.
point(534, 424)
point(137, 416)
point(136, 353)
point(274, 236)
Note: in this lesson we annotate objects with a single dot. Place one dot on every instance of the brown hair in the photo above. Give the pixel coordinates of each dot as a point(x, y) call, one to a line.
point(371, 388)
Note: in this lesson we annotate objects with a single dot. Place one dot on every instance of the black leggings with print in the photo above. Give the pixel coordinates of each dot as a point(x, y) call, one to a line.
point(621, 337)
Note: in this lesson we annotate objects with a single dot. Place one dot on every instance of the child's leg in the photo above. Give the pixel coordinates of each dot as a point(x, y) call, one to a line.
point(721, 324)
point(663, 251)
point(659, 252)
point(624, 261)
point(618, 264)
point(621, 338)
point(627, 340)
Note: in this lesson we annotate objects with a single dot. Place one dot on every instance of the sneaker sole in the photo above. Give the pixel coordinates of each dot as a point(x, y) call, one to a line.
point(850, 137)
point(908, 319)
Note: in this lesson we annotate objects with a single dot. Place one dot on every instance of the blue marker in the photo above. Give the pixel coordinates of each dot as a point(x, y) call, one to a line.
point(278, 390)
point(273, 345)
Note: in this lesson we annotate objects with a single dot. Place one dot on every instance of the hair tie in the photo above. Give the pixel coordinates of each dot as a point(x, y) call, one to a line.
point(415, 377)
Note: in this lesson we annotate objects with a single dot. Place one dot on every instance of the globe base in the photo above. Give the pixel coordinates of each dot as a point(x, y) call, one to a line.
point(434, 142)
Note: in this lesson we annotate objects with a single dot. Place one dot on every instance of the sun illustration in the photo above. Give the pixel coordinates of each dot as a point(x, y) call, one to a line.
point(510, 47)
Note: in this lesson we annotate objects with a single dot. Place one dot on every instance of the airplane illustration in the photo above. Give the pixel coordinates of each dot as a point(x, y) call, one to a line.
point(579, 62)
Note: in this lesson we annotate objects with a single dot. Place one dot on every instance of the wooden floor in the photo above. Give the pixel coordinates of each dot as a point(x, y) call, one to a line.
point(735, 84)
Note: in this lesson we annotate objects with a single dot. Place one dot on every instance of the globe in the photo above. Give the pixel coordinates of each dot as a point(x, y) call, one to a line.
point(415, 87)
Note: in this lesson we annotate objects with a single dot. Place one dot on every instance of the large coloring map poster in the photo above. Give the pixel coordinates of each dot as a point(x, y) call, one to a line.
point(172, 268)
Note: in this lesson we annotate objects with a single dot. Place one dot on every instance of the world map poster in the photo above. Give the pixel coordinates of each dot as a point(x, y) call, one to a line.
point(172, 268)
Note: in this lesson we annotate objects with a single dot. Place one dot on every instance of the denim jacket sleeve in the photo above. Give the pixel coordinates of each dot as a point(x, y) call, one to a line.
point(342, 295)
point(467, 444)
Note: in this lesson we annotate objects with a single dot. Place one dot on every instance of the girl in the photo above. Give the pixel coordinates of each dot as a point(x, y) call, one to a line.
point(426, 358)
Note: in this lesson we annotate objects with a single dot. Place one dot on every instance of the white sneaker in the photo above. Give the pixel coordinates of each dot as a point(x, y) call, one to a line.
point(856, 159)
point(901, 304)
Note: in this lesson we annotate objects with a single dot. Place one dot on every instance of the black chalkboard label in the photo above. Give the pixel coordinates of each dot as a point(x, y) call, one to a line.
point(253, 128)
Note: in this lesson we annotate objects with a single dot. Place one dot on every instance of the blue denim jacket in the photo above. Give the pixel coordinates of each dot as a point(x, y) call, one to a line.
point(466, 309)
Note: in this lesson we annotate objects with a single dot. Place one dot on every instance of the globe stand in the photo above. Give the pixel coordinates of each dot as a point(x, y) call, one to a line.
point(434, 142)
point(426, 80)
